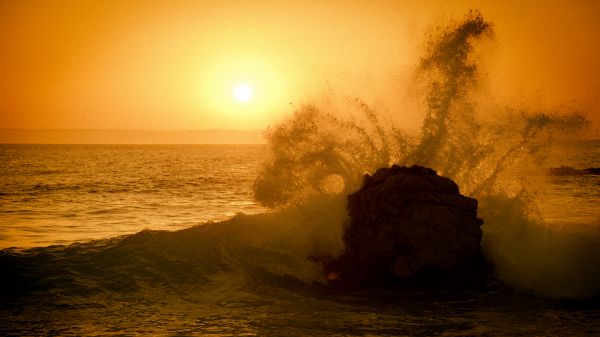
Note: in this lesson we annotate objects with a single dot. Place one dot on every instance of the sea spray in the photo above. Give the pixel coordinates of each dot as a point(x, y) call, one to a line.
point(316, 152)
point(494, 153)
point(527, 252)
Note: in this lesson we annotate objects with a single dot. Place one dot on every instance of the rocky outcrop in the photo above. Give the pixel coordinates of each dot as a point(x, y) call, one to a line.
point(408, 223)
point(571, 171)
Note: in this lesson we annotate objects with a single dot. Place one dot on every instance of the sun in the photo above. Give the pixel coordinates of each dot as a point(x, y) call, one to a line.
point(242, 93)
point(241, 89)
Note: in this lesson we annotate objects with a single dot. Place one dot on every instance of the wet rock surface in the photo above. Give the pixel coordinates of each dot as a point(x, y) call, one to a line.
point(408, 224)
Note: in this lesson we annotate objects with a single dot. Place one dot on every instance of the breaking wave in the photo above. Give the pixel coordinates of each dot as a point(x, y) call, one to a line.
point(318, 156)
point(493, 152)
point(257, 275)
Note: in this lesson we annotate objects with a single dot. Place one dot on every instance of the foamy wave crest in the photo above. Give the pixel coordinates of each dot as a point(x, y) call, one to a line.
point(491, 151)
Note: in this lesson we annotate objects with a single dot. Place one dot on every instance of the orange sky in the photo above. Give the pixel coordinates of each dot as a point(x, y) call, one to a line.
point(173, 64)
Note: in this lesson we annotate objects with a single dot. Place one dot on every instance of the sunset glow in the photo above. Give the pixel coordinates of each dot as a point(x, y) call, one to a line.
point(136, 65)
point(299, 168)
point(242, 93)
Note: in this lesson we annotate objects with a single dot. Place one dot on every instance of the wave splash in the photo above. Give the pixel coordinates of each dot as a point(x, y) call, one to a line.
point(318, 156)
point(493, 152)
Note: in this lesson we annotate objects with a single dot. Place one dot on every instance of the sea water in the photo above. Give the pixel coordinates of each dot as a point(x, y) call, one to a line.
point(59, 194)
point(256, 274)
point(237, 277)
point(573, 200)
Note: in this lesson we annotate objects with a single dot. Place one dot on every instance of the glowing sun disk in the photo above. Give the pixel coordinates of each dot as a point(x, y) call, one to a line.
point(242, 93)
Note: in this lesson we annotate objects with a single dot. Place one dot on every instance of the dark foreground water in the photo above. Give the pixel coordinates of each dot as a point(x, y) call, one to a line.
point(223, 280)
point(247, 275)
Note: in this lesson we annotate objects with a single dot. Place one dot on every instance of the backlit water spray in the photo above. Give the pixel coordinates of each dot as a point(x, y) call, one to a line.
point(495, 154)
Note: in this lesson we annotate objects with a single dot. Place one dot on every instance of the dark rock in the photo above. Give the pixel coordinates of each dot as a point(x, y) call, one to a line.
point(571, 171)
point(408, 223)
point(564, 171)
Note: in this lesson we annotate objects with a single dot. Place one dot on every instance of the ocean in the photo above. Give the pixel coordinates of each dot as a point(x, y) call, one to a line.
point(61, 194)
point(58, 194)
point(136, 240)
point(128, 240)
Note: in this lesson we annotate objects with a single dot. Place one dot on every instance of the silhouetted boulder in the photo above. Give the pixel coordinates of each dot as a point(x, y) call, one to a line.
point(408, 223)
point(571, 171)
point(592, 170)
point(564, 171)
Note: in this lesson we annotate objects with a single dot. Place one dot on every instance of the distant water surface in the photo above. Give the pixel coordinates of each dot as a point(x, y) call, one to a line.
point(572, 201)
point(57, 194)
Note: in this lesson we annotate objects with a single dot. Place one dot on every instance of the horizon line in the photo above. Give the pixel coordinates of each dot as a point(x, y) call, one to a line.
point(131, 136)
point(125, 129)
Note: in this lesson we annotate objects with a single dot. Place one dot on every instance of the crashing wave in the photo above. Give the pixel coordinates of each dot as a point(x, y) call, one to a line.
point(487, 149)
point(318, 156)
